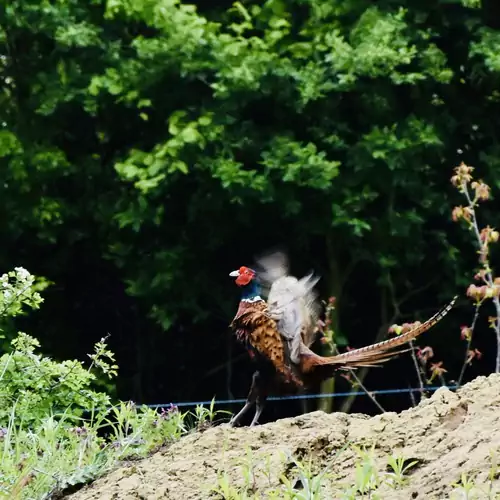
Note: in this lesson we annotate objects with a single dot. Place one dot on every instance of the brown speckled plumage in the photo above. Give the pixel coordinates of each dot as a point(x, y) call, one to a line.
point(254, 328)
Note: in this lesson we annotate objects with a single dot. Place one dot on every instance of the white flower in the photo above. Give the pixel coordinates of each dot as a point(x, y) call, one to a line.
point(22, 273)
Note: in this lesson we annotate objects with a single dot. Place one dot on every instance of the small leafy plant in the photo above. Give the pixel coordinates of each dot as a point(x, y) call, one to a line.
point(399, 466)
point(301, 480)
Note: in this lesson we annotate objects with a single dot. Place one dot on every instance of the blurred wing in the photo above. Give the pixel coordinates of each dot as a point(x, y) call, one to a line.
point(311, 308)
point(273, 266)
point(292, 304)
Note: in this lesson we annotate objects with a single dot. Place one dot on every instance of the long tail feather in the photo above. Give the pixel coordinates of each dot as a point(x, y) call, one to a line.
point(375, 360)
point(376, 353)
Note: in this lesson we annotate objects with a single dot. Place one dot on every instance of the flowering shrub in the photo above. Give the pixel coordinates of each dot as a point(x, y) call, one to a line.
point(475, 192)
point(487, 287)
point(19, 290)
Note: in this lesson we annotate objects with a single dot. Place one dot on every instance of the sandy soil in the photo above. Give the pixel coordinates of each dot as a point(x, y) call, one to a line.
point(448, 434)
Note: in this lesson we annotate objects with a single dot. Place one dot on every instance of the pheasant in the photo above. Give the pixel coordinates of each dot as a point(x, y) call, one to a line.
point(276, 334)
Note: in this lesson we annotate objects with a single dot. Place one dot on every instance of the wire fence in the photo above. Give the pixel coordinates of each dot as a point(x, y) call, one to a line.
point(307, 396)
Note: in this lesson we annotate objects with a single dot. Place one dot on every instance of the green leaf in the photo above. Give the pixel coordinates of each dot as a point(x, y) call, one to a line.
point(190, 135)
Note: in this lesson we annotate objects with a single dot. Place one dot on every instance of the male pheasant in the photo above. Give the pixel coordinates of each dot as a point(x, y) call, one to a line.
point(278, 335)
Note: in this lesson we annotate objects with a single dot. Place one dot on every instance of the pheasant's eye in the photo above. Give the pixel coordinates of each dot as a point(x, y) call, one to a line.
point(246, 271)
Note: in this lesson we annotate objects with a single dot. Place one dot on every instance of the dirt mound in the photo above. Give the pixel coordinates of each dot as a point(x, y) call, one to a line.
point(447, 434)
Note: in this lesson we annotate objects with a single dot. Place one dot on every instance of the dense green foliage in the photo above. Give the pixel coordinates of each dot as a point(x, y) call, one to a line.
point(158, 145)
point(33, 386)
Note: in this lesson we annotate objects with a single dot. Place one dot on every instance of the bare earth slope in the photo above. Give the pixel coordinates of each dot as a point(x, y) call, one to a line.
point(448, 434)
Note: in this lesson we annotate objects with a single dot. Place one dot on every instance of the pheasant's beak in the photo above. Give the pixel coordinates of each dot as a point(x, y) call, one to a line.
point(234, 274)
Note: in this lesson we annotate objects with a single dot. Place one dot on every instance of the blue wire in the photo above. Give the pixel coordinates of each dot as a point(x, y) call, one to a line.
point(304, 396)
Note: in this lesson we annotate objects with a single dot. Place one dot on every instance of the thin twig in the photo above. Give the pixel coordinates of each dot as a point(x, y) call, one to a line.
point(417, 369)
point(397, 311)
point(368, 393)
point(412, 396)
point(360, 383)
point(467, 350)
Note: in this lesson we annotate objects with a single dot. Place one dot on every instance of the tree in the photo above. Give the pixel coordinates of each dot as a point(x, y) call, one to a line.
point(175, 143)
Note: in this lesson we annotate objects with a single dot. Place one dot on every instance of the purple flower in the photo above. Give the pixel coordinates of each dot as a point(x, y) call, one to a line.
point(79, 431)
point(166, 413)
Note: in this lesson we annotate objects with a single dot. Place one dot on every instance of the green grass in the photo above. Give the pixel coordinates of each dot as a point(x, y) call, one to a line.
point(304, 481)
point(42, 461)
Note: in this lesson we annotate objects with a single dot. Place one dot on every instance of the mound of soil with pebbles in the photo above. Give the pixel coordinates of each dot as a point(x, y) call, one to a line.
point(447, 435)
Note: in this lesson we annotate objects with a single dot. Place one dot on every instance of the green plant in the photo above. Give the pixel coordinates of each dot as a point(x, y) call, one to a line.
point(492, 473)
point(399, 465)
point(366, 479)
point(139, 430)
point(465, 486)
point(204, 417)
point(38, 385)
point(310, 483)
point(50, 456)
point(248, 471)
point(33, 384)
point(225, 490)
point(19, 290)
point(302, 480)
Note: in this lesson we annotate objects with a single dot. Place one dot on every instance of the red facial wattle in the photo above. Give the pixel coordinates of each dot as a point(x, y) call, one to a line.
point(244, 276)
point(243, 279)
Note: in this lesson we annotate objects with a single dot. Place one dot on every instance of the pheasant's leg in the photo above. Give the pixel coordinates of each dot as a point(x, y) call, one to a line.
point(305, 391)
point(252, 398)
point(258, 410)
point(236, 418)
point(261, 389)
